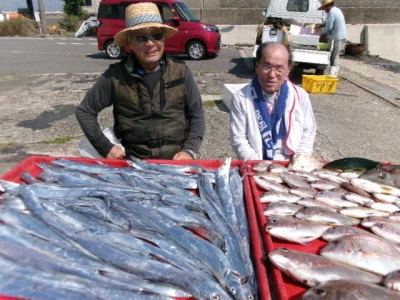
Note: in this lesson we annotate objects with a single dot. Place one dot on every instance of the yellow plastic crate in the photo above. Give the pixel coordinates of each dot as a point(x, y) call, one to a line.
point(319, 84)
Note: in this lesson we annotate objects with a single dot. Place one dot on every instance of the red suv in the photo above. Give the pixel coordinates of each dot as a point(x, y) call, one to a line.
point(193, 38)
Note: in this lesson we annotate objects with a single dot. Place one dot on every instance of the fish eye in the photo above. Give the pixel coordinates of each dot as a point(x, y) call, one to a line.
point(382, 175)
point(319, 292)
point(244, 280)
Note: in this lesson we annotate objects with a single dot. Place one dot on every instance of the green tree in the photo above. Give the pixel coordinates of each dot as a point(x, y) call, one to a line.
point(73, 15)
point(73, 7)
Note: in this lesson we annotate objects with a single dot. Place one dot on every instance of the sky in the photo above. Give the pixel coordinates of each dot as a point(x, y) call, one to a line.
point(13, 5)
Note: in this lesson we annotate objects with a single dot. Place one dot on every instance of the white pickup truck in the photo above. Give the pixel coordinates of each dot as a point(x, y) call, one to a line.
point(291, 22)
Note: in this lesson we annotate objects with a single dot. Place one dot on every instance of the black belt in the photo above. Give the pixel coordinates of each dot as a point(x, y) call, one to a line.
point(160, 143)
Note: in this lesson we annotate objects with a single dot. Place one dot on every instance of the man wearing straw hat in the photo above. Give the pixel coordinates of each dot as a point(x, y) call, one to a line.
point(335, 28)
point(157, 106)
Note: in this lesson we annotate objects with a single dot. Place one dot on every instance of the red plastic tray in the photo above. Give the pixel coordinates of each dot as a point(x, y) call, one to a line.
point(282, 286)
point(30, 165)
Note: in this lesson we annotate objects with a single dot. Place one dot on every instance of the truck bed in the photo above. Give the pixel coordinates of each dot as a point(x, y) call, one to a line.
point(306, 55)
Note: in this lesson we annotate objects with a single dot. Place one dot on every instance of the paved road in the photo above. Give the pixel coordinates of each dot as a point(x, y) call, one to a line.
point(36, 55)
point(37, 116)
point(80, 55)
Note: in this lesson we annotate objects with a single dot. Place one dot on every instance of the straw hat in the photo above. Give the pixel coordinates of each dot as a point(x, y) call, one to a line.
point(325, 3)
point(142, 15)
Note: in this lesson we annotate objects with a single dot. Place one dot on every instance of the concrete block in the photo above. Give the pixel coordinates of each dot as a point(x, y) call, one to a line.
point(355, 33)
point(383, 40)
point(238, 35)
point(228, 91)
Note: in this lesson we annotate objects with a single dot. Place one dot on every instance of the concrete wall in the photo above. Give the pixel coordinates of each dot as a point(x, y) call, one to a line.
point(247, 12)
point(380, 35)
point(379, 39)
point(383, 40)
point(356, 33)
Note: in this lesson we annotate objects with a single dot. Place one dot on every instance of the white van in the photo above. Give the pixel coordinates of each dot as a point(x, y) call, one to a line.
point(292, 22)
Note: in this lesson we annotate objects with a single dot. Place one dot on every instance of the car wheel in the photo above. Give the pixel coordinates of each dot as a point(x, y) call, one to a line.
point(196, 50)
point(113, 51)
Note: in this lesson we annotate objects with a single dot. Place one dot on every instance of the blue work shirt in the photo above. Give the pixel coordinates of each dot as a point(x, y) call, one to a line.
point(335, 24)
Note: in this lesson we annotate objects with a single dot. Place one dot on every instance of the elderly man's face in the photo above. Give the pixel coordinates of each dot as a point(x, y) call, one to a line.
point(273, 68)
point(148, 46)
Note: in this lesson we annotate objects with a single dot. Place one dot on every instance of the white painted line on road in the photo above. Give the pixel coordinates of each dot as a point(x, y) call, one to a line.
point(63, 74)
point(44, 38)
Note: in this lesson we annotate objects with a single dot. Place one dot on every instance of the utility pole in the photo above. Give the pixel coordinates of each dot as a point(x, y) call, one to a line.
point(43, 24)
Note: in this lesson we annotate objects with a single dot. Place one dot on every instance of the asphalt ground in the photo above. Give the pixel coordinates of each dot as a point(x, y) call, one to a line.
point(361, 119)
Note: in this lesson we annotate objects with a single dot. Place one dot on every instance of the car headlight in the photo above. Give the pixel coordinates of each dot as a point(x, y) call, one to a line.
point(211, 28)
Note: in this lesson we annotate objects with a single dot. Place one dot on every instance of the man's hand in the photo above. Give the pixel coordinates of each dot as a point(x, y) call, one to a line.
point(116, 152)
point(182, 155)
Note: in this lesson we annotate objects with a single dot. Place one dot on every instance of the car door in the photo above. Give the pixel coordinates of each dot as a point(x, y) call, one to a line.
point(176, 43)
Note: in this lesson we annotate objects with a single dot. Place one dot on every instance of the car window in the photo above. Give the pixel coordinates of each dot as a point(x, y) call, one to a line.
point(185, 13)
point(298, 5)
point(122, 7)
point(108, 11)
point(166, 12)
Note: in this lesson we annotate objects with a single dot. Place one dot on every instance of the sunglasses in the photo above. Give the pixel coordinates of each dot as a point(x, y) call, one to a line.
point(145, 38)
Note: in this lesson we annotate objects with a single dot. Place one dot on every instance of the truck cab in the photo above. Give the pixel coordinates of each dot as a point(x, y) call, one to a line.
point(292, 22)
point(298, 11)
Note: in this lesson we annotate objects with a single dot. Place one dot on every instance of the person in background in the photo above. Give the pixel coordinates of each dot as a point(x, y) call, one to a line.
point(157, 106)
point(271, 118)
point(335, 29)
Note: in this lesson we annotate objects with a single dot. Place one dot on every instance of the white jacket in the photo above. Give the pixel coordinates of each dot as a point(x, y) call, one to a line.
point(299, 120)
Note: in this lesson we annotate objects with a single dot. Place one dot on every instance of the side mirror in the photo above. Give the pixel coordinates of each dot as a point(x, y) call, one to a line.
point(176, 19)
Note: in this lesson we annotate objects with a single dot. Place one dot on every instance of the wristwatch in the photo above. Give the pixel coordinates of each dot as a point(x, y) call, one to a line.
point(192, 153)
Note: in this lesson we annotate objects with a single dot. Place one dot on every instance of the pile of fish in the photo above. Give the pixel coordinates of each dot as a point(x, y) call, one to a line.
point(358, 219)
point(83, 230)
